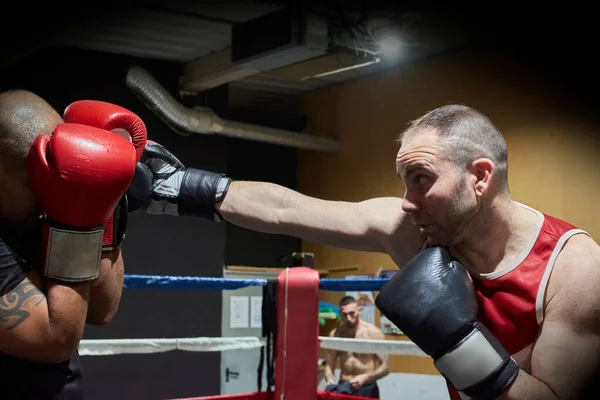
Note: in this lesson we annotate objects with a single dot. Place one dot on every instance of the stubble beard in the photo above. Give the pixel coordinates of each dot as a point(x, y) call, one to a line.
point(461, 219)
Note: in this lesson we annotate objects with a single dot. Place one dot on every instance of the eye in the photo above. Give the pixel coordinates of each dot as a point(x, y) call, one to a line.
point(421, 180)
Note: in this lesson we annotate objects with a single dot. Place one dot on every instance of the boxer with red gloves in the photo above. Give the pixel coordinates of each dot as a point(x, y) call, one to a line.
point(79, 174)
point(56, 192)
point(117, 119)
point(433, 302)
point(106, 291)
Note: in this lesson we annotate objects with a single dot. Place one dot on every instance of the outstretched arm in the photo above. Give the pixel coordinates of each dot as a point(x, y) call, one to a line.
point(378, 225)
point(368, 225)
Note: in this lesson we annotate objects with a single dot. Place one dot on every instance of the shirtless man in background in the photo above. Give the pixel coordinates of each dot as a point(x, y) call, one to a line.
point(359, 372)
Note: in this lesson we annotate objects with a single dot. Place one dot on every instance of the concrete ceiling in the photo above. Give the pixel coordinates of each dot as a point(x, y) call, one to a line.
point(187, 32)
point(196, 33)
point(197, 36)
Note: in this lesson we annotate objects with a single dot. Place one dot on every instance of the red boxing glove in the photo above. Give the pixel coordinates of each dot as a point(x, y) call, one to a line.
point(124, 122)
point(79, 174)
point(110, 117)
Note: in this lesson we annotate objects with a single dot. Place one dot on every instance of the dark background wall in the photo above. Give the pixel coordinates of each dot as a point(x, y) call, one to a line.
point(165, 245)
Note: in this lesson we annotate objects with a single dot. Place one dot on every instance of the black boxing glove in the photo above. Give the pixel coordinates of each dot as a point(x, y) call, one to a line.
point(163, 185)
point(432, 301)
point(140, 189)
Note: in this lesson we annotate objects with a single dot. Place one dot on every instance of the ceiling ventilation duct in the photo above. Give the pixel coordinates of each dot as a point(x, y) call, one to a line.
point(187, 121)
point(281, 38)
point(290, 43)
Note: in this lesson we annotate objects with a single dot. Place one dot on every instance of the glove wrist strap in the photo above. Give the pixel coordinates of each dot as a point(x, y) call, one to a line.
point(478, 365)
point(72, 255)
point(200, 191)
point(494, 386)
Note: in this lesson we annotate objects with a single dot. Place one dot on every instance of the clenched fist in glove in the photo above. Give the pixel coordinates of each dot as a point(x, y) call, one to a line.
point(79, 174)
point(117, 119)
point(163, 185)
point(432, 301)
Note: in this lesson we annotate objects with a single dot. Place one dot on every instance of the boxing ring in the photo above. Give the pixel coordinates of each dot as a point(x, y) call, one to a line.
point(294, 306)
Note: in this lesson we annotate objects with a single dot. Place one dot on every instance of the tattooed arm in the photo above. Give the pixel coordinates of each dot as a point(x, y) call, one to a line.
point(39, 320)
point(42, 327)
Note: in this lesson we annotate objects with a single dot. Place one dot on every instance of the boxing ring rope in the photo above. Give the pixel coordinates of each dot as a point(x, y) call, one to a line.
point(297, 332)
point(198, 282)
point(105, 347)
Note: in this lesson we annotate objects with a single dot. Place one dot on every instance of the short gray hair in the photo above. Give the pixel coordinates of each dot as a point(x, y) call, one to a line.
point(467, 135)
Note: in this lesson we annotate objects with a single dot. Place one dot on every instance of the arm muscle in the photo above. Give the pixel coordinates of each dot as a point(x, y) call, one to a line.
point(42, 327)
point(566, 356)
point(106, 290)
point(330, 363)
point(383, 368)
point(369, 225)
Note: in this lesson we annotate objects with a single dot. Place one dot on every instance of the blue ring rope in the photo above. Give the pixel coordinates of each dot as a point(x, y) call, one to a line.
point(198, 282)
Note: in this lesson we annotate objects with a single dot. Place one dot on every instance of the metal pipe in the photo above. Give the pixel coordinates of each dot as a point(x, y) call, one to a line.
point(187, 121)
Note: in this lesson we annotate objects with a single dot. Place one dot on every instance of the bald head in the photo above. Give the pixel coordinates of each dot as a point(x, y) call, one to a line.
point(23, 116)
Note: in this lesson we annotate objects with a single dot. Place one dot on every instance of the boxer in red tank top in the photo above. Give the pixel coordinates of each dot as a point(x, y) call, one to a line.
point(511, 300)
point(533, 303)
point(536, 279)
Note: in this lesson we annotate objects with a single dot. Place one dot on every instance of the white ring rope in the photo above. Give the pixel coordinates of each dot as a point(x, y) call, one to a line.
point(368, 346)
point(103, 347)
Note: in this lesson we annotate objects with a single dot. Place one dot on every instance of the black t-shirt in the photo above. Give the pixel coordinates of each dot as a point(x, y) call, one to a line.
point(23, 379)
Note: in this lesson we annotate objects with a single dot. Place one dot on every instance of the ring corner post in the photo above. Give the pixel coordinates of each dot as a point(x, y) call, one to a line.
point(297, 350)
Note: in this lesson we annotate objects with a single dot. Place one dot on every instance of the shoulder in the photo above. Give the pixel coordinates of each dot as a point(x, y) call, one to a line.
point(399, 237)
point(574, 284)
point(579, 258)
point(8, 255)
point(372, 332)
point(13, 269)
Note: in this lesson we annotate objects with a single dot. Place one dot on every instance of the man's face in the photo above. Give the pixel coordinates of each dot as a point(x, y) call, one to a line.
point(349, 314)
point(438, 196)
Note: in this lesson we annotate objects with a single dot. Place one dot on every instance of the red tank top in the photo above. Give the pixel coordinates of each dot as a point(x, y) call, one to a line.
point(511, 301)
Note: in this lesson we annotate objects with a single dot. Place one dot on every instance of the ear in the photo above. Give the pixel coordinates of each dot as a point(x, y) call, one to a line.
point(483, 169)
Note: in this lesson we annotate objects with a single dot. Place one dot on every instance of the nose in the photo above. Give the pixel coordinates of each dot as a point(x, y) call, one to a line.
point(409, 205)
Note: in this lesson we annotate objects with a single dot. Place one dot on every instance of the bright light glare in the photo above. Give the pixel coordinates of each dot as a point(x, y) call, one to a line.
point(390, 44)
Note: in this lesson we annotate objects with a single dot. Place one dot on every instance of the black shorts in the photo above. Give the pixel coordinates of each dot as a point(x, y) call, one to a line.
point(369, 390)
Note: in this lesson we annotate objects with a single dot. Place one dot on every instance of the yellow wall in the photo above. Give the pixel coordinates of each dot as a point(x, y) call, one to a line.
point(554, 151)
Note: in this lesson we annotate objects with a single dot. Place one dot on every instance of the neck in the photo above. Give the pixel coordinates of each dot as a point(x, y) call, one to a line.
point(351, 328)
point(497, 239)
